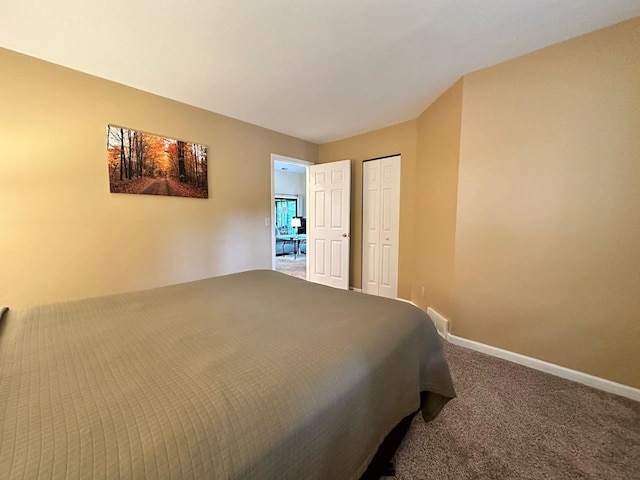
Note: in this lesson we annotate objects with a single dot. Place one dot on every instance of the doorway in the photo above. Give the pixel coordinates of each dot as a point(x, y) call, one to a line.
point(289, 178)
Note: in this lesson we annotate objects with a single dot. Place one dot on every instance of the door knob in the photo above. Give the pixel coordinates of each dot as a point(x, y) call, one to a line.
point(345, 235)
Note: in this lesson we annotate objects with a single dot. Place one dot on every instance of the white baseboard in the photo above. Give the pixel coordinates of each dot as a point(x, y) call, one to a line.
point(406, 301)
point(541, 365)
point(359, 290)
point(441, 323)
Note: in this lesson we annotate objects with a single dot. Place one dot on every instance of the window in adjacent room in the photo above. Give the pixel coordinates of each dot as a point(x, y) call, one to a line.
point(286, 209)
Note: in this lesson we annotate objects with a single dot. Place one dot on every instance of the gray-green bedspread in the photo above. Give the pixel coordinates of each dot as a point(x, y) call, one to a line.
point(255, 375)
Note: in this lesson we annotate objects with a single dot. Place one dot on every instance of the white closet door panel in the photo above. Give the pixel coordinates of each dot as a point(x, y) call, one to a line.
point(387, 265)
point(381, 224)
point(390, 231)
point(371, 271)
point(371, 227)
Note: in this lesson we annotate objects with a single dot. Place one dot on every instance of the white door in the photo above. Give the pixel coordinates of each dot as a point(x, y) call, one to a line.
point(380, 226)
point(329, 223)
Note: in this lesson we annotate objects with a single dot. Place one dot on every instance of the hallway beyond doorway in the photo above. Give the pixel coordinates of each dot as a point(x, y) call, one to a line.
point(296, 267)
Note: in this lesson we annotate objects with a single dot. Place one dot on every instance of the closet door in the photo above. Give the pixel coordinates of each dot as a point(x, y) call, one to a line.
point(389, 226)
point(370, 226)
point(381, 222)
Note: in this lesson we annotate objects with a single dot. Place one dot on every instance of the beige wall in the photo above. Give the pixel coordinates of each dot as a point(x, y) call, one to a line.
point(400, 139)
point(64, 236)
point(547, 258)
point(525, 185)
point(438, 154)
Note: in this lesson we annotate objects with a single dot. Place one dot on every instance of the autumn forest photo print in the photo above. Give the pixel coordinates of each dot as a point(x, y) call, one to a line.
point(153, 165)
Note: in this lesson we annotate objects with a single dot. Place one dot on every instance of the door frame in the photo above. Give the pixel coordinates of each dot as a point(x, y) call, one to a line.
point(295, 161)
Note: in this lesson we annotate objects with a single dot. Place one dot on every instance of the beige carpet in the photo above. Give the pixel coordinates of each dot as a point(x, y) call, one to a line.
point(511, 422)
point(296, 267)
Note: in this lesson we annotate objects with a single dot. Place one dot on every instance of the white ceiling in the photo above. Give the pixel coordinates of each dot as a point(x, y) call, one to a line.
point(288, 167)
point(315, 69)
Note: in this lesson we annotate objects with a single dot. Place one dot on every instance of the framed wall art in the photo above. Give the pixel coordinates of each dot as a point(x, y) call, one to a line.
point(143, 163)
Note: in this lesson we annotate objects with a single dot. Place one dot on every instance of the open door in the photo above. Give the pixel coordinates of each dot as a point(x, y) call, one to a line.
point(329, 223)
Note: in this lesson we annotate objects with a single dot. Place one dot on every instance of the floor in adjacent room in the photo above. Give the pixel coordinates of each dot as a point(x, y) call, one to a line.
point(512, 422)
point(296, 267)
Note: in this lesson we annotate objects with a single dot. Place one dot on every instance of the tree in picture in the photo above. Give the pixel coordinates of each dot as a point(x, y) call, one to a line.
point(153, 165)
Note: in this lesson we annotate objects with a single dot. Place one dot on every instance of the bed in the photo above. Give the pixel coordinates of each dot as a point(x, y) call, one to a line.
point(254, 375)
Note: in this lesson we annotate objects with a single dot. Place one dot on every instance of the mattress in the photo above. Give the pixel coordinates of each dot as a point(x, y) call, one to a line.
point(255, 375)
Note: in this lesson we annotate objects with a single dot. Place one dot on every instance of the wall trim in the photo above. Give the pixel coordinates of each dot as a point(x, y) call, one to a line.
point(406, 301)
point(547, 367)
point(598, 383)
point(359, 290)
point(552, 368)
point(441, 323)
